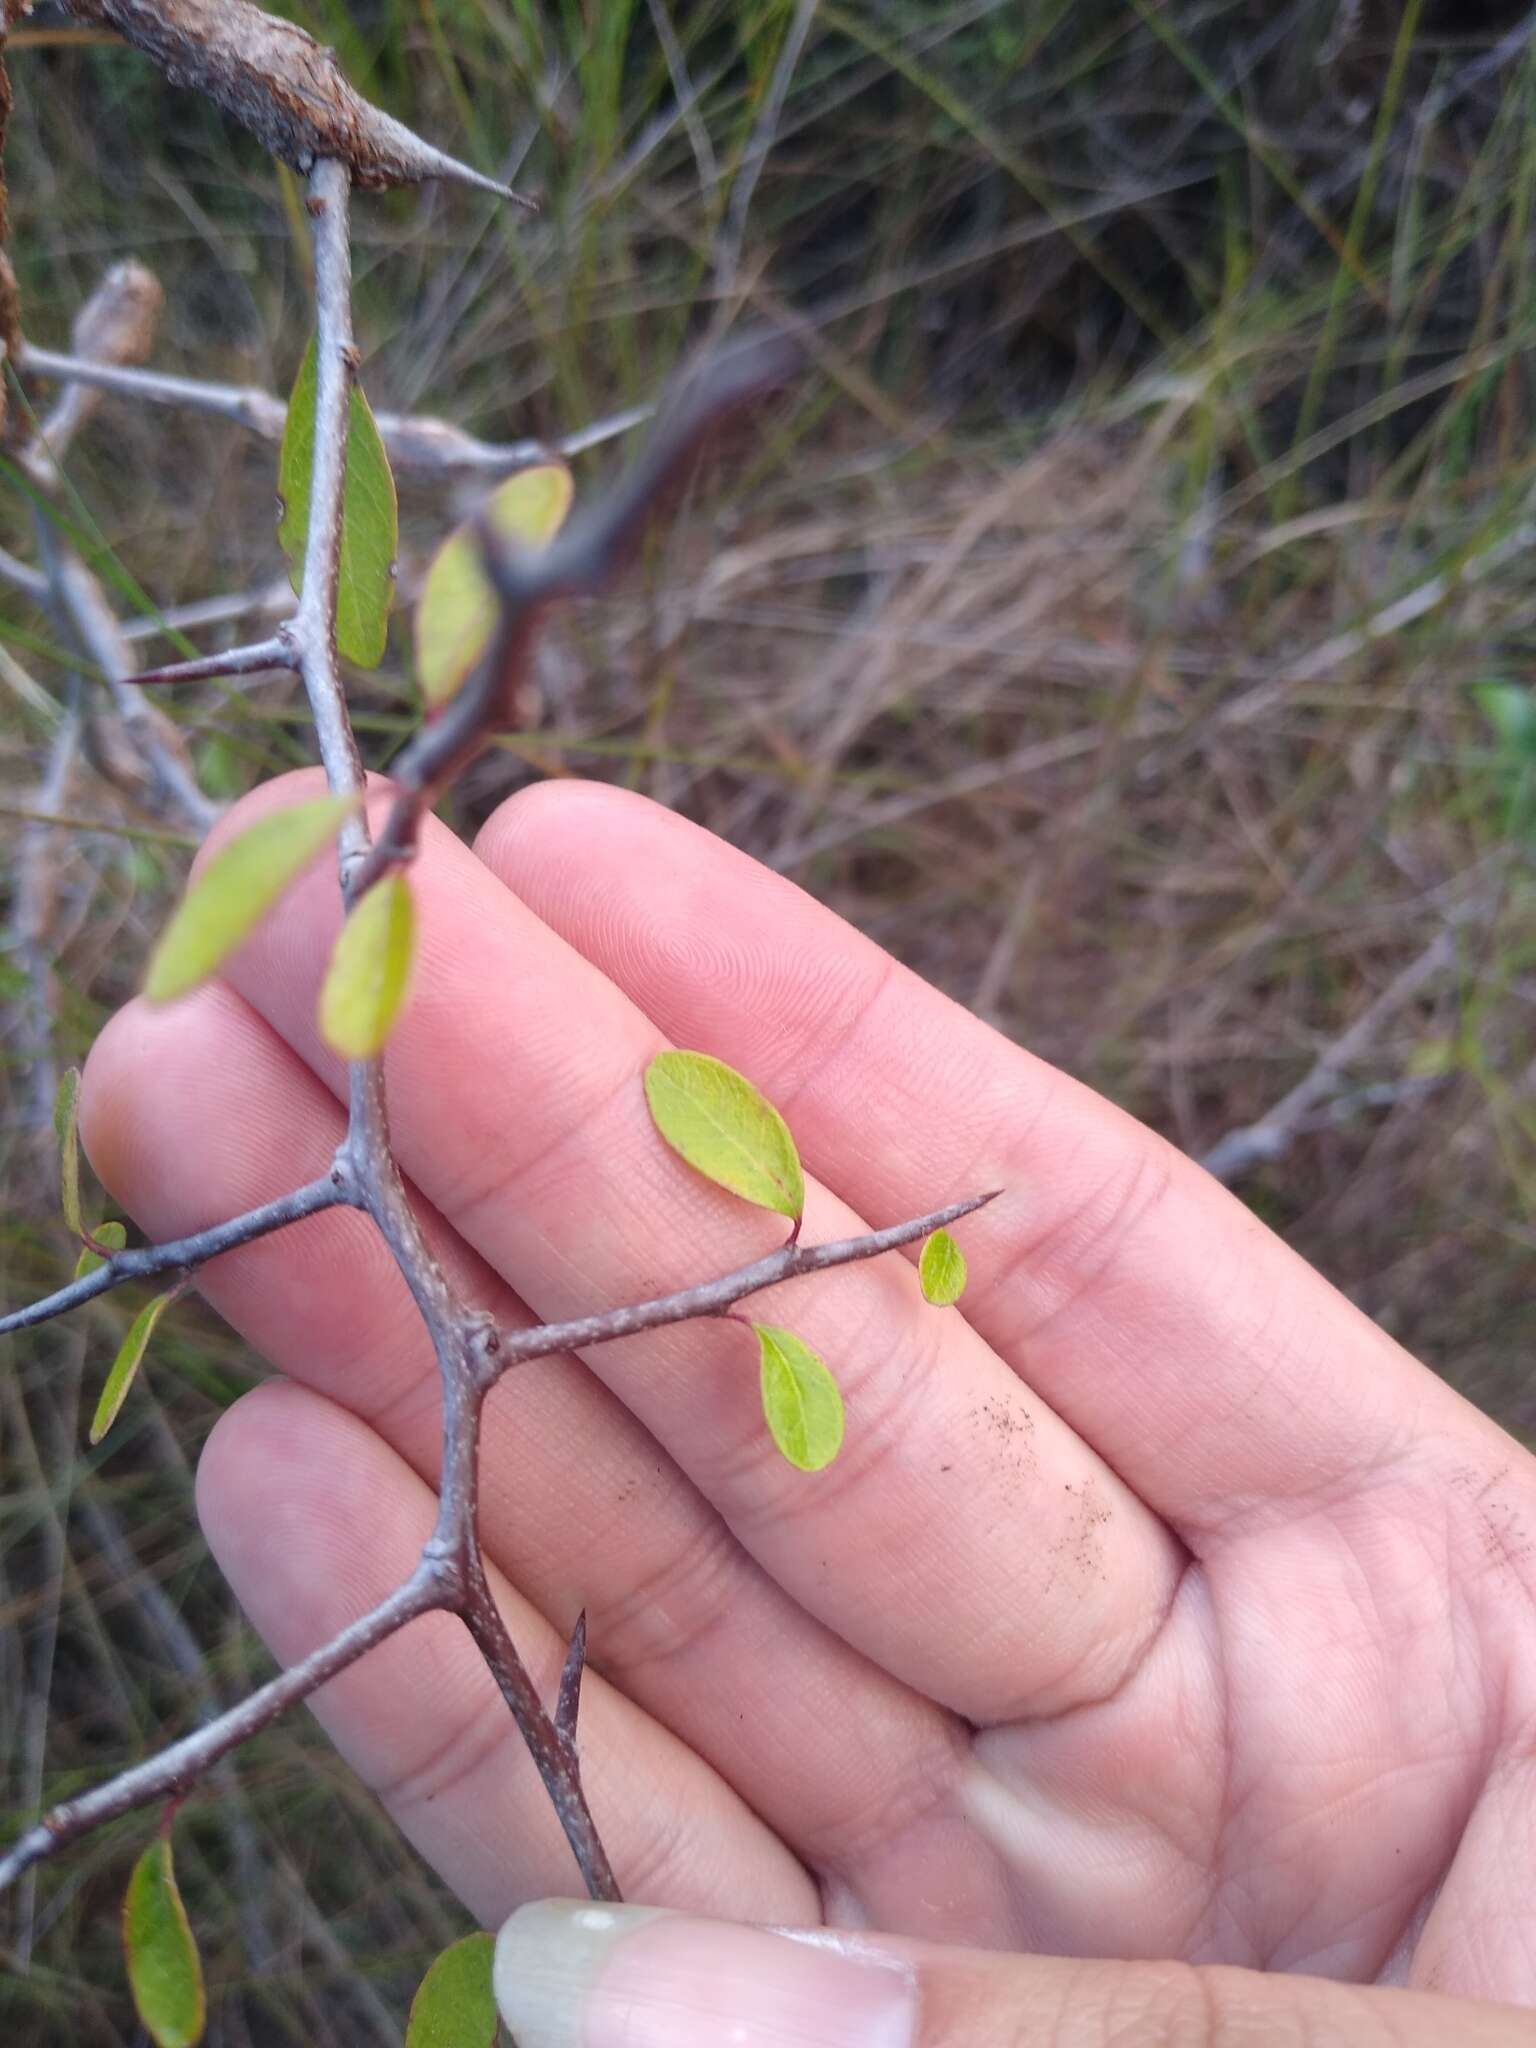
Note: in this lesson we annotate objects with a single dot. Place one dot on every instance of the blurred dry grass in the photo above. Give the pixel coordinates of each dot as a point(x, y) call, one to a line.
point(1100, 627)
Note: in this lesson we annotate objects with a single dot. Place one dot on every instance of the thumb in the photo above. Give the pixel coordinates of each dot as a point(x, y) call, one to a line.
point(583, 1976)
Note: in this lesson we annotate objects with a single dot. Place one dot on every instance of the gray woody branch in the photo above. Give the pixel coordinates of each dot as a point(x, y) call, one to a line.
point(281, 84)
point(432, 1585)
point(418, 443)
point(116, 324)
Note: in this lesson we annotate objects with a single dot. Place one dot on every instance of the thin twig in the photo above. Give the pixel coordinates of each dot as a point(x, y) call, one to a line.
point(30, 582)
point(714, 1297)
point(1255, 1144)
point(579, 563)
point(420, 444)
point(568, 1699)
point(186, 1254)
point(178, 1767)
point(35, 896)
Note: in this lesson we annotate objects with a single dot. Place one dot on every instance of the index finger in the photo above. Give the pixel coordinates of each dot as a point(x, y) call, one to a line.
point(1208, 1364)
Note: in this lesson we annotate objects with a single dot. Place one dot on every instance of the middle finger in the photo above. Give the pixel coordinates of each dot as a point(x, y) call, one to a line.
point(967, 1539)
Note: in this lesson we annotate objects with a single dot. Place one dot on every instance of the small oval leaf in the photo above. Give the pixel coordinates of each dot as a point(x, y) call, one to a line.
point(715, 1119)
point(238, 886)
point(941, 1270)
point(164, 1972)
point(454, 2006)
point(66, 1128)
point(456, 614)
point(129, 1357)
point(370, 519)
point(366, 982)
point(112, 1235)
point(801, 1402)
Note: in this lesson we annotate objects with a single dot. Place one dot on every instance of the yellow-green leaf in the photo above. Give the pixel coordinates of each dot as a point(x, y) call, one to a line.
point(454, 2006)
point(370, 520)
point(127, 1362)
point(456, 614)
point(365, 984)
point(801, 1403)
point(164, 1973)
point(66, 1128)
point(716, 1120)
point(236, 889)
point(112, 1235)
point(941, 1270)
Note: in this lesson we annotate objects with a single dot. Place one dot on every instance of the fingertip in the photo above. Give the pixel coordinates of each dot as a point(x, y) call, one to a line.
point(575, 1975)
point(123, 1091)
point(236, 1451)
point(547, 820)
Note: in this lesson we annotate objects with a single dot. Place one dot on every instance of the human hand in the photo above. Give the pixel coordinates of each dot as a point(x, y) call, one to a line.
point(1159, 1607)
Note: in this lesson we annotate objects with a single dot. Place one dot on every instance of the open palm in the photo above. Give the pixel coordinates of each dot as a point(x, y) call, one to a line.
point(1158, 1604)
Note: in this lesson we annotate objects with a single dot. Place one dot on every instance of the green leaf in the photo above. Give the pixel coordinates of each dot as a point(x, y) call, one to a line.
point(164, 1973)
point(370, 520)
point(1511, 711)
point(127, 1362)
point(716, 1120)
point(941, 1270)
point(456, 614)
point(112, 1235)
point(454, 2006)
point(370, 968)
point(236, 889)
point(66, 1128)
point(801, 1403)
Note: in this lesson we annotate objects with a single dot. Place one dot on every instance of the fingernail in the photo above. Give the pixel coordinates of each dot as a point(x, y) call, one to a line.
point(582, 1976)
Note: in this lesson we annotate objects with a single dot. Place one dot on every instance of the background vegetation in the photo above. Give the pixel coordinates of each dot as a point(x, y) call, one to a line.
point(1128, 622)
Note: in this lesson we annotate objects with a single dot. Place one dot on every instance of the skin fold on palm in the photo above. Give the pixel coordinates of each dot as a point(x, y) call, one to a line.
point(1158, 1605)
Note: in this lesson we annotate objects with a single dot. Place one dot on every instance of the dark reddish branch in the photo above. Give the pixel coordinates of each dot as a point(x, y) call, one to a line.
point(552, 1748)
point(580, 562)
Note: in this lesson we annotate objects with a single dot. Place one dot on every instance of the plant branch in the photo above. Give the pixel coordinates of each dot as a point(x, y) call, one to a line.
point(415, 443)
point(283, 85)
point(582, 561)
point(256, 659)
point(714, 1297)
point(116, 323)
point(553, 1754)
point(461, 1337)
point(32, 583)
point(1239, 1151)
point(186, 1254)
point(35, 891)
point(568, 1699)
point(276, 80)
point(80, 609)
point(450, 1574)
point(174, 1770)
